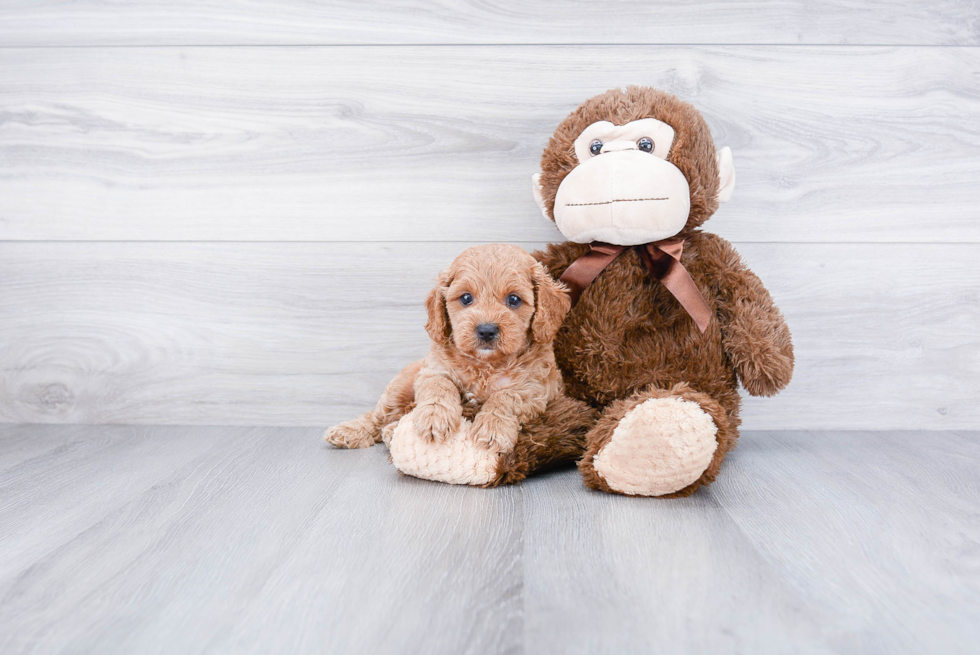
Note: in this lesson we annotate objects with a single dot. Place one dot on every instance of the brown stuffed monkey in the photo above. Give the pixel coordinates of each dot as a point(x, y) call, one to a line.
point(668, 319)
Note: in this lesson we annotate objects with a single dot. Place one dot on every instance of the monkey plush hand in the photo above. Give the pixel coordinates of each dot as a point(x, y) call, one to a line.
point(668, 320)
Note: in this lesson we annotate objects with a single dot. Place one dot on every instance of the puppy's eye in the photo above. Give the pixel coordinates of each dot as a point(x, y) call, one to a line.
point(645, 144)
point(466, 299)
point(514, 300)
point(595, 147)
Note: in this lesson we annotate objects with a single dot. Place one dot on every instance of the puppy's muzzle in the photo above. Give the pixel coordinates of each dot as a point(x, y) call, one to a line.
point(487, 332)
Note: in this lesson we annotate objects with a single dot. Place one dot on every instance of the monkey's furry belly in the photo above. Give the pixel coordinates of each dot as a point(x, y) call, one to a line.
point(624, 363)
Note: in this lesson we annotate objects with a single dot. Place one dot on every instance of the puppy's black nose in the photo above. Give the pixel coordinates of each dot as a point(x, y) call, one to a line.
point(487, 331)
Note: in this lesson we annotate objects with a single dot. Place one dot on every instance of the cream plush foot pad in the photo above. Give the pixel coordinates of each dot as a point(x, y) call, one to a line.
point(457, 460)
point(661, 446)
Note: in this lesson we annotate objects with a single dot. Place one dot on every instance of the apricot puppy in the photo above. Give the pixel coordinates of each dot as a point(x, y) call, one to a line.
point(492, 319)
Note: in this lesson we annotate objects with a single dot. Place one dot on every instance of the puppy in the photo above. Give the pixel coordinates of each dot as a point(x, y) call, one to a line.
point(492, 319)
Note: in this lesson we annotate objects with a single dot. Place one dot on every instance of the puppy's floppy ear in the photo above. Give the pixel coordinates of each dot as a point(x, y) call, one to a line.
point(551, 305)
point(438, 326)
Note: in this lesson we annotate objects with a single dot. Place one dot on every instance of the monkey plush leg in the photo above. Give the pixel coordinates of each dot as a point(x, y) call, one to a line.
point(457, 459)
point(660, 442)
point(555, 438)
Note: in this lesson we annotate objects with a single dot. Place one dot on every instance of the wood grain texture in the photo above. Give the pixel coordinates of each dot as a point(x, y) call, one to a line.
point(810, 542)
point(242, 540)
point(186, 22)
point(295, 334)
point(438, 143)
point(263, 540)
point(862, 526)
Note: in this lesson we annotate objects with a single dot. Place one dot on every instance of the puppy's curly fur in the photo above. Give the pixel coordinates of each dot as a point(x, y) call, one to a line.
point(492, 318)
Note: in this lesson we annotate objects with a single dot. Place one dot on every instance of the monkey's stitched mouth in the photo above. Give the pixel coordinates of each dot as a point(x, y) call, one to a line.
point(609, 202)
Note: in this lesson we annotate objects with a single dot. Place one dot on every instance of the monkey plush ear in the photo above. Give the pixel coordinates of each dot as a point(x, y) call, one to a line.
point(539, 194)
point(551, 305)
point(726, 174)
point(438, 325)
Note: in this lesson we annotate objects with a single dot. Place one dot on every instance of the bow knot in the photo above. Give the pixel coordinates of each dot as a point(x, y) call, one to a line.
point(663, 261)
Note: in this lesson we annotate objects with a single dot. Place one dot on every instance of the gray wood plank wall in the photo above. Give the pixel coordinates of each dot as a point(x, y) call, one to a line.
point(333, 22)
point(196, 229)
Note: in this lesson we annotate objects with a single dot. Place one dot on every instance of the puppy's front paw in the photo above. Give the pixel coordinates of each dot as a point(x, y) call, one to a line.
point(350, 434)
point(435, 422)
point(387, 432)
point(494, 433)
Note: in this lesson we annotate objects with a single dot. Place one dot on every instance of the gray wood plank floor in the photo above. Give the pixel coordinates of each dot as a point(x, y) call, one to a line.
point(215, 539)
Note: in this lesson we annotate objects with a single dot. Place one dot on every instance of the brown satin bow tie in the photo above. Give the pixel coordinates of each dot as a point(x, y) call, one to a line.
point(663, 260)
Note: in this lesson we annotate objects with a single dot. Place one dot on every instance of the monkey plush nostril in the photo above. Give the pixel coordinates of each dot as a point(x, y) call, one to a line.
point(487, 332)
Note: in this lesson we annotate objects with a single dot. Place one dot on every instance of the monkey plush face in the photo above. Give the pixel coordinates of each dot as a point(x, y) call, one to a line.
point(623, 189)
point(631, 167)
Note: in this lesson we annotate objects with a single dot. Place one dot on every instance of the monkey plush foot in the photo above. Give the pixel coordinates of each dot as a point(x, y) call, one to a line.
point(456, 460)
point(659, 447)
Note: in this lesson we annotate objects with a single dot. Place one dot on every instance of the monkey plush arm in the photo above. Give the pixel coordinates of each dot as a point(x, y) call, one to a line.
point(754, 333)
point(556, 257)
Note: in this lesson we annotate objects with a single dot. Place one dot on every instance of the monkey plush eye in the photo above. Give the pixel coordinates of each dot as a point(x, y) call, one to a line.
point(595, 147)
point(466, 299)
point(514, 300)
point(645, 144)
